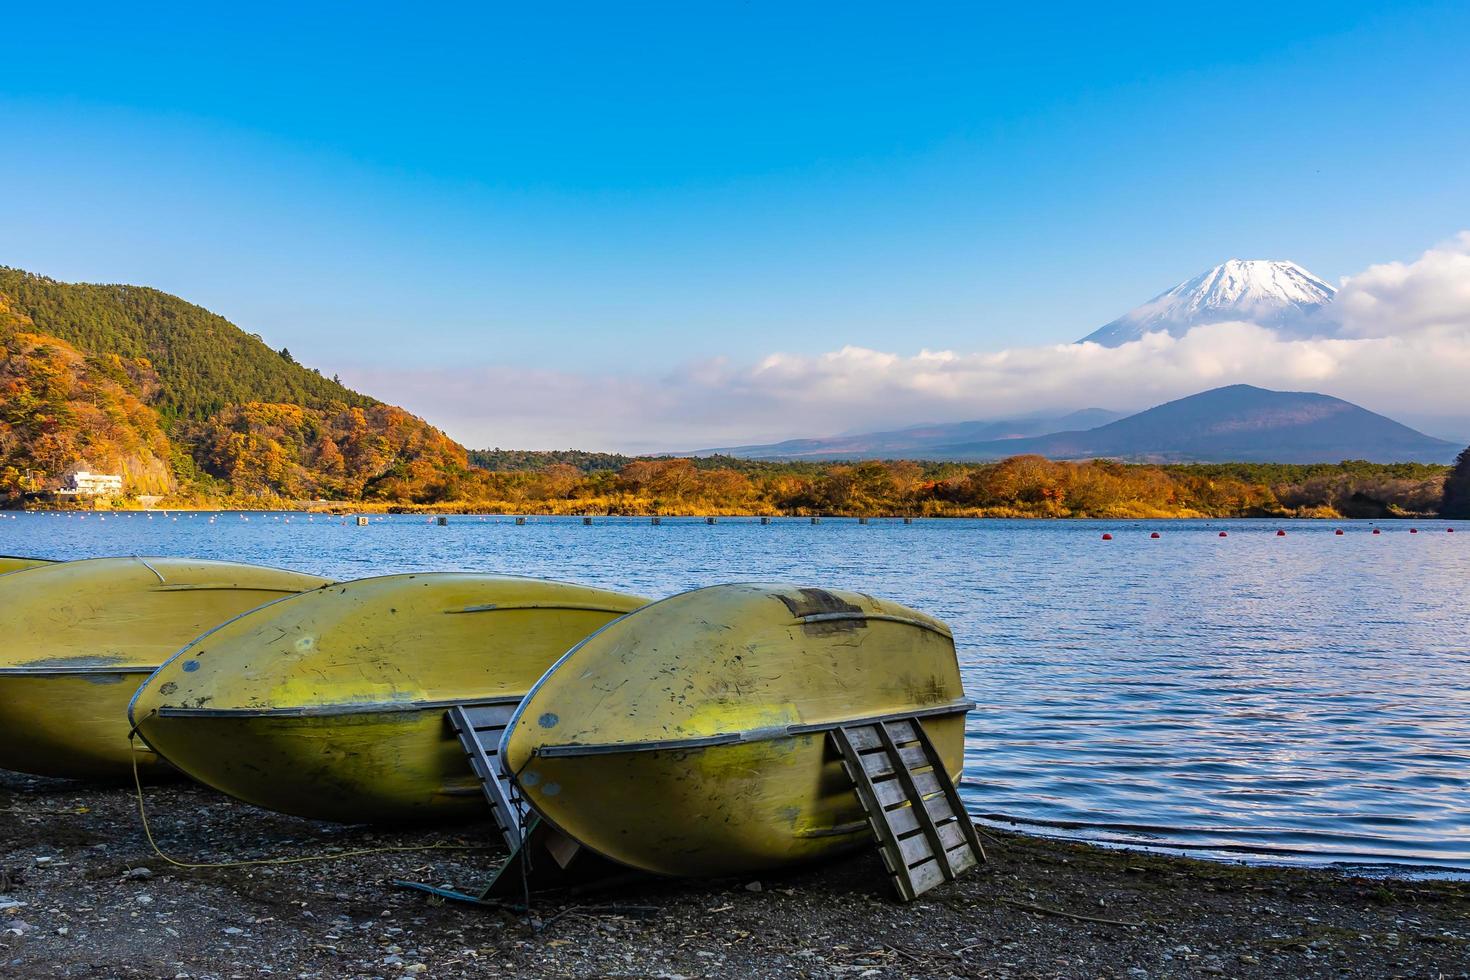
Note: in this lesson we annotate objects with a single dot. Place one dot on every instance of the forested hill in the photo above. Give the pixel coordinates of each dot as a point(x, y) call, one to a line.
point(203, 361)
point(182, 403)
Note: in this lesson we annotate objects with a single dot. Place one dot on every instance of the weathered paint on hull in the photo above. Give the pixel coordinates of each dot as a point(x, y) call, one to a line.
point(331, 705)
point(392, 766)
point(717, 810)
point(689, 738)
point(73, 726)
point(15, 563)
point(77, 638)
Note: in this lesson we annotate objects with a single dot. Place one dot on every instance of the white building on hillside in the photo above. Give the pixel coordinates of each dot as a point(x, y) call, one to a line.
point(85, 484)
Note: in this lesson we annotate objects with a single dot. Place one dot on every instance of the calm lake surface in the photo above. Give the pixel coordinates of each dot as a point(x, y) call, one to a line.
point(1300, 698)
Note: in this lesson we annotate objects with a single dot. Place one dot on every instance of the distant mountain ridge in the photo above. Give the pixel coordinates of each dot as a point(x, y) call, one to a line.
point(1276, 294)
point(1236, 423)
point(914, 441)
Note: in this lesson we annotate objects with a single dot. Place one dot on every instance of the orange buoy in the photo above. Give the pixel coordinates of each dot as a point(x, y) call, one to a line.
point(1154, 535)
point(1281, 534)
point(1107, 537)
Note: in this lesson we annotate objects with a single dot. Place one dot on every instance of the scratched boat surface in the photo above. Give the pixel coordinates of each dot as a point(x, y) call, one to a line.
point(17, 563)
point(332, 704)
point(76, 639)
point(690, 737)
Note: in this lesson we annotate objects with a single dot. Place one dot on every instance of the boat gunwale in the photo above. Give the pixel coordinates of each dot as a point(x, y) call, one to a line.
point(81, 669)
point(331, 710)
point(573, 749)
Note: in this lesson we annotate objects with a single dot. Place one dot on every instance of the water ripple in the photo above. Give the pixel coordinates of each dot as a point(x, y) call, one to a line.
point(1301, 698)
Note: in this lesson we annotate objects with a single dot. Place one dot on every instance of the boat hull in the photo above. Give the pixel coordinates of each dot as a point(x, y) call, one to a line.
point(78, 638)
point(691, 737)
point(332, 705)
point(15, 563)
point(388, 766)
point(73, 725)
point(720, 809)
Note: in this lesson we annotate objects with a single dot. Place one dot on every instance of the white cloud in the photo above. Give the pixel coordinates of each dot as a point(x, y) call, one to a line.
point(1404, 350)
point(1395, 298)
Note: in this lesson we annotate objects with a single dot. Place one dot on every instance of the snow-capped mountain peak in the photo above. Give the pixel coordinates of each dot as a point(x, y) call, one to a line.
point(1280, 295)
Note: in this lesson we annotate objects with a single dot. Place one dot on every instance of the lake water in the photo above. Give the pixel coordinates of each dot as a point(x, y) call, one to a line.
point(1299, 698)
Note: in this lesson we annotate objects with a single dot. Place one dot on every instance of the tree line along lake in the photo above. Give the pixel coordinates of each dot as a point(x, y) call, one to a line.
point(1298, 697)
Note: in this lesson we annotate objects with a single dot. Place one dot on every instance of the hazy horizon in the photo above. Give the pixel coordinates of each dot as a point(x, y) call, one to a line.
point(664, 227)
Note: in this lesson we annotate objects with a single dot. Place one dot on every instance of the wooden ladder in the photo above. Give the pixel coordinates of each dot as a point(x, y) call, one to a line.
point(923, 832)
point(479, 727)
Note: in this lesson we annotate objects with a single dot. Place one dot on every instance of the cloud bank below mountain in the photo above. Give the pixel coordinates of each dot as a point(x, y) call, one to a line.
point(1402, 348)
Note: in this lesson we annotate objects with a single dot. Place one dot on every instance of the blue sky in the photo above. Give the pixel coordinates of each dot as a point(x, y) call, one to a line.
point(617, 192)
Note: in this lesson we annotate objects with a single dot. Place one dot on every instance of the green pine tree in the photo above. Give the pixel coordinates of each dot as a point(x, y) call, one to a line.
point(1456, 501)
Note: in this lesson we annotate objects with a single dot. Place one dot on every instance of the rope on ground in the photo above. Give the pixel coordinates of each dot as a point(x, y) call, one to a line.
point(304, 859)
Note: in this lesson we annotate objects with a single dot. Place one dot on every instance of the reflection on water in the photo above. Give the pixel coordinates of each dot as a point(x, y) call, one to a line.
point(1304, 697)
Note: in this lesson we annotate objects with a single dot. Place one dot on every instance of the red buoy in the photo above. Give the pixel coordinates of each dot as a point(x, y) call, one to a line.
point(1281, 534)
point(1376, 531)
point(1154, 535)
point(1224, 535)
point(1449, 530)
point(1413, 530)
point(1338, 531)
point(1107, 537)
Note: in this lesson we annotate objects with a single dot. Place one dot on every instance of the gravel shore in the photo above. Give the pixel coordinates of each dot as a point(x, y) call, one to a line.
point(83, 895)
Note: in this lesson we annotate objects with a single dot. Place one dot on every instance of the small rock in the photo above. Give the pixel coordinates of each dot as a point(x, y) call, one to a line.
point(233, 931)
point(415, 968)
point(137, 874)
point(754, 886)
point(144, 899)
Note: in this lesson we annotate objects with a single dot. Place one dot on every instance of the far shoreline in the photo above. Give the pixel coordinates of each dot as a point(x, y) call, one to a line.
point(346, 511)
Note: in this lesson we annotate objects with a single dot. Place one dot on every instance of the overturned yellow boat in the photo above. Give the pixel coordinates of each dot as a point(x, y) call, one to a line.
point(78, 637)
point(332, 704)
point(16, 563)
point(690, 737)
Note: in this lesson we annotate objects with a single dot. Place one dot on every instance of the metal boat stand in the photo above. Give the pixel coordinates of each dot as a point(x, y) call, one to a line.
point(541, 857)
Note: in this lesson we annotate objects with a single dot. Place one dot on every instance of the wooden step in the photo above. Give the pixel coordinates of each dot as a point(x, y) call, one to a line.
point(923, 832)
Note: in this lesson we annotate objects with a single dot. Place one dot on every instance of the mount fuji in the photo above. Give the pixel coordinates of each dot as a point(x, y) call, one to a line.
point(1279, 295)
